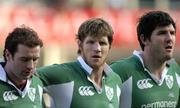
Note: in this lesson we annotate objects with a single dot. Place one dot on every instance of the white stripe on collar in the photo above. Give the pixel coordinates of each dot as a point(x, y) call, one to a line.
point(84, 65)
point(89, 70)
point(137, 53)
point(160, 81)
point(26, 89)
point(2, 74)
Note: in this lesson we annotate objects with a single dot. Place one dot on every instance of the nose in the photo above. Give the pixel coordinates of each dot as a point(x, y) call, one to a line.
point(97, 47)
point(170, 37)
point(30, 65)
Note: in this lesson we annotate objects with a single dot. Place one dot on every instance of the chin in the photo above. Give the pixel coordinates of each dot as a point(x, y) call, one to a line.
point(28, 77)
point(168, 57)
point(96, 66)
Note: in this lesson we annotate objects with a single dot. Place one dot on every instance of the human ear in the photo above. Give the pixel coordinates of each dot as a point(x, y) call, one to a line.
point(79, 42)
point(143, 40)
point(7, 54)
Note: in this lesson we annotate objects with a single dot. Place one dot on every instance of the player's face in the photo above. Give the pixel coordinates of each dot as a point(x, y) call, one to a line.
point(162, 42)
point(23, 63)
point(95, 50)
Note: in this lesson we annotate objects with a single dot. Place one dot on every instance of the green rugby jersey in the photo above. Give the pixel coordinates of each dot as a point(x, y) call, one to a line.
point(12, 97)
point(70, 86)
point(141, 90)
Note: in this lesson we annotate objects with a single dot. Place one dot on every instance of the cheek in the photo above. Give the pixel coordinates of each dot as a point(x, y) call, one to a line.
point(174, 39)
point(86, 49)
point(105, 51)
point(106, 48)
point(157, 48)
point(20, 65)
point(16, 68)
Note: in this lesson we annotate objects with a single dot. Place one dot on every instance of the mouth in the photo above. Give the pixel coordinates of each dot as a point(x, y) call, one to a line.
point(169, 48)
point(96, 56)
point(28, 72)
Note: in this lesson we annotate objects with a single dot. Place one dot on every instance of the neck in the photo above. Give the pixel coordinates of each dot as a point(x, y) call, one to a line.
point(154, 65)
point(96, 76)
point(19, 83)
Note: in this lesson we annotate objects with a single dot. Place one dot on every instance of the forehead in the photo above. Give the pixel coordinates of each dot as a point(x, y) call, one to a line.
point(165, 28)
point(25, 50)
point(89, 37)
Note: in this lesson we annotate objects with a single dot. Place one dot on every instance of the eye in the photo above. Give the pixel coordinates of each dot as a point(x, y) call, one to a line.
point(162, 32)
point(90, 42)
point(28, 59)
point(103, 43)
point(172, 32)
point(24, 59)
point(35, 59)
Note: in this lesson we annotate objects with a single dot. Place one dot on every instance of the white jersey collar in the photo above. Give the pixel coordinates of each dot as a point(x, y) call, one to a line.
point(2, 74)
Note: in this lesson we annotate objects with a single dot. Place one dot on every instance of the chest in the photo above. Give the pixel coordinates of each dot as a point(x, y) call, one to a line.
point(11, 98)
point(146, 92)
point(86, 95)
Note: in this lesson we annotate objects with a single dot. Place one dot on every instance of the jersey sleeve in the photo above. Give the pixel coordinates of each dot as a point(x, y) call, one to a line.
point(54, 74)
point(121, 68)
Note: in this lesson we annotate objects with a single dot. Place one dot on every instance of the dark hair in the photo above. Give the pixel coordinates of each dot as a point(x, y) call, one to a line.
point(95, 27)
point(150, 21)
point(21, 35)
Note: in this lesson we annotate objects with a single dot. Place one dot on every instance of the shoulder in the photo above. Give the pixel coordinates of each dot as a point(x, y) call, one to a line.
point(174, 65)
point(175, 69)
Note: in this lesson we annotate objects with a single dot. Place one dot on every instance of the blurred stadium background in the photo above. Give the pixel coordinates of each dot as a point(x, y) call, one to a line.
point(57, 21)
